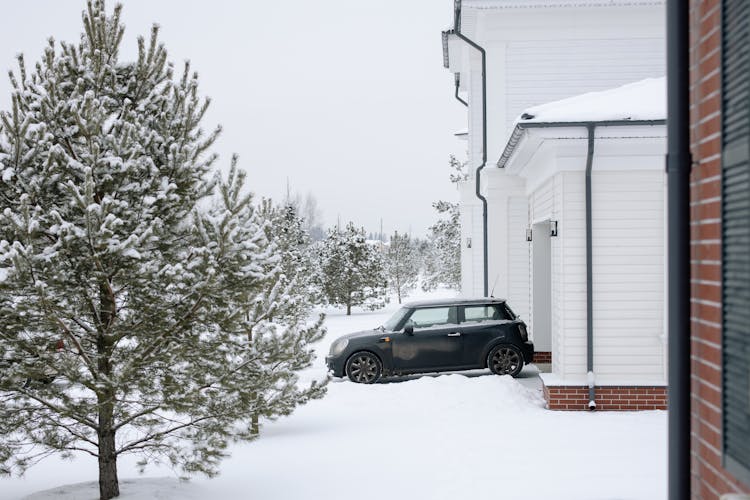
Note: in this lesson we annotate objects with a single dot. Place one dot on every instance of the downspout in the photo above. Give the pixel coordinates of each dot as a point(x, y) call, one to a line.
point(590, 273)
point(590, 128)
point(457, 32)
point(678, 262)
point(458, 85)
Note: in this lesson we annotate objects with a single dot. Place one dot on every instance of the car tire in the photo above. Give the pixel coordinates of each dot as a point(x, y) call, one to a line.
point(505, 359)
point(364, 368)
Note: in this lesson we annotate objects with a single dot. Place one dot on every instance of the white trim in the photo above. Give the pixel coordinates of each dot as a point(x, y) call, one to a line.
point(553, 380)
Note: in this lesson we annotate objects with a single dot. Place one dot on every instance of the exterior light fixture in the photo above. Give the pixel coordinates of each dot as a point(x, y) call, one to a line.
point(553, 228)
point(468, 242)
point(528, 234)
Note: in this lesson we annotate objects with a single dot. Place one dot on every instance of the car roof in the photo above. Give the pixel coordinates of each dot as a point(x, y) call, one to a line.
point(457, 301)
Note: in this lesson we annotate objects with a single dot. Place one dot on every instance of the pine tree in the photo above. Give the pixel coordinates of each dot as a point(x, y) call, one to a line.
point(443, 266)
point(351, 270)
point(288, 231)
point(401, 265)
point(132, 321)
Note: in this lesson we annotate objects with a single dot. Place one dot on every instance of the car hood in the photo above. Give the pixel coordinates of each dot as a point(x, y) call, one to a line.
point(362, 333)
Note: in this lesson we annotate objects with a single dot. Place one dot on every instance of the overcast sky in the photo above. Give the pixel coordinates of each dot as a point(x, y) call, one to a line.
point(346, 99)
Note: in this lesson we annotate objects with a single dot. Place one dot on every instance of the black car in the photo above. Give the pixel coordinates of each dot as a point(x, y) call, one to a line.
point(434, 336)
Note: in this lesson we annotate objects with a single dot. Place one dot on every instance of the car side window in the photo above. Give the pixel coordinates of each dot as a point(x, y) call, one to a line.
point(489, 312)
point(432, 317)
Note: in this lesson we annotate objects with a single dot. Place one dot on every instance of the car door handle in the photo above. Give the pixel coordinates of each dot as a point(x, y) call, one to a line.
point(454, 334)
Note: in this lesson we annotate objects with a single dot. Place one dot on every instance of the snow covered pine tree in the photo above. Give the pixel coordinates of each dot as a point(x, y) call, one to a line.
point(288, 230)
point(401, 265)
point(161, 327)
point(443, 264)
point(351, 271)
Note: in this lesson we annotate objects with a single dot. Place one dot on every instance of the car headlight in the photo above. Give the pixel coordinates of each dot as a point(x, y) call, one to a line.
point(338, 346)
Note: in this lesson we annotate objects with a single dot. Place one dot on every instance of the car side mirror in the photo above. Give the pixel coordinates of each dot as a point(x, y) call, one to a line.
point(409, 329)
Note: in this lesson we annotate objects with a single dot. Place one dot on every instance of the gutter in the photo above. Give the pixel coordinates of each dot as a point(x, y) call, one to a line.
point(457, 31)
point(590, 126)
point(678, 262)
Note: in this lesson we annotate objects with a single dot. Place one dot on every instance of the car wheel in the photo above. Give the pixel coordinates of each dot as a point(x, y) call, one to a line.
point(505, 360)
point(363, 368)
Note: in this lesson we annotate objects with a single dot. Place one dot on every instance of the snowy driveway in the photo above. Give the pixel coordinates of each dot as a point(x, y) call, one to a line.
point(435, 437)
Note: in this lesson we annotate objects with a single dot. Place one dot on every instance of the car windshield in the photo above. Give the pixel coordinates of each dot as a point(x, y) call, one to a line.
point(391, 324)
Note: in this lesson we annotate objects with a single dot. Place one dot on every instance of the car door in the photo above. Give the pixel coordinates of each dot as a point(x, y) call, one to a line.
point(479, 327)
point(435, 343)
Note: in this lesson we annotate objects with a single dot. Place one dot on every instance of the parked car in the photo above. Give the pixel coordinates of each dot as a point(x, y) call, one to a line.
point(435, 336)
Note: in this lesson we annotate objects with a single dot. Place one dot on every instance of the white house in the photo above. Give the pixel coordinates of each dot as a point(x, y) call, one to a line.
point(589, 281)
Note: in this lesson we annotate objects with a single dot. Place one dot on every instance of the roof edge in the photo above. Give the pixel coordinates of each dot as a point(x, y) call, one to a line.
point(547, 4)
point(515, 137)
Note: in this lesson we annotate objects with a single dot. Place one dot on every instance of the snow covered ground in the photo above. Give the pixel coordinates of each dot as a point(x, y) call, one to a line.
point(454, 436)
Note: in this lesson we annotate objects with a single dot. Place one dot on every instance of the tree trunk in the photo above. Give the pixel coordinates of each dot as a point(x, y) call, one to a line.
point(109, 486)
point(348, 308)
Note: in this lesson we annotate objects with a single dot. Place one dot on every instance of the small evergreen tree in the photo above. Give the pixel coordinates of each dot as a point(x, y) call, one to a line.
point(287, 229)
point(443, 266)
point(401, 265)
point(351, 270)
point(162, 328)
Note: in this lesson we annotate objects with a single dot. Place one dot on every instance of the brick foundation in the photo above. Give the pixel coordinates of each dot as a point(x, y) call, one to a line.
point(542, 357)
point(622, 398)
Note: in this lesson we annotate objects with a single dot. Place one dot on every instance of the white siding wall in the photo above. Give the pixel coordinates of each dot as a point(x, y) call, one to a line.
point(628, 227)
point(471, 229)
point(571, 301)
point(558, 311)
point(628, 272)
point(518, 257)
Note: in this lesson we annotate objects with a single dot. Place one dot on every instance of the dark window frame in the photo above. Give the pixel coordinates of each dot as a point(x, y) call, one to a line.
point(735, 231)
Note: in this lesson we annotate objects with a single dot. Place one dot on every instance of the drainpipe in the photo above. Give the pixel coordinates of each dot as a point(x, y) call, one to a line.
point(458, 84)
point(678, 267)
point(590, 273)
point(590, 128)
point(474, 45)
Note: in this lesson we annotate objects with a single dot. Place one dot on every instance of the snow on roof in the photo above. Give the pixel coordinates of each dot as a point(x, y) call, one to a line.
point(643, 100)
point(528, 4)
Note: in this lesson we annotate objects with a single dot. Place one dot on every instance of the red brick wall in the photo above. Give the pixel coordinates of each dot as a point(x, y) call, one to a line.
point(542, 357)
point(623, 398)
point(709, 479)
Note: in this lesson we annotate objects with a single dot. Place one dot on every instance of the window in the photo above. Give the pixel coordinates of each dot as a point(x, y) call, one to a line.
point(490, 312)
point(735, 228)
point(434, 316)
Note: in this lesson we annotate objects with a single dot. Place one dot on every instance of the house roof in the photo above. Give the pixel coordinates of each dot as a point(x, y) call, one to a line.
point(531, 4)
point(640, 103)
point(643, 100)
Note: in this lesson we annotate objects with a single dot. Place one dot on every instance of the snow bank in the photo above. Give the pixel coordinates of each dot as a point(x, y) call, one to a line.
point(130, 489)
point(453, 436)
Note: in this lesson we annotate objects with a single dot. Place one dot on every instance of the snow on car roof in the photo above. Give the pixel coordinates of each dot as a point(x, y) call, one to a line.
point(454, 302)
